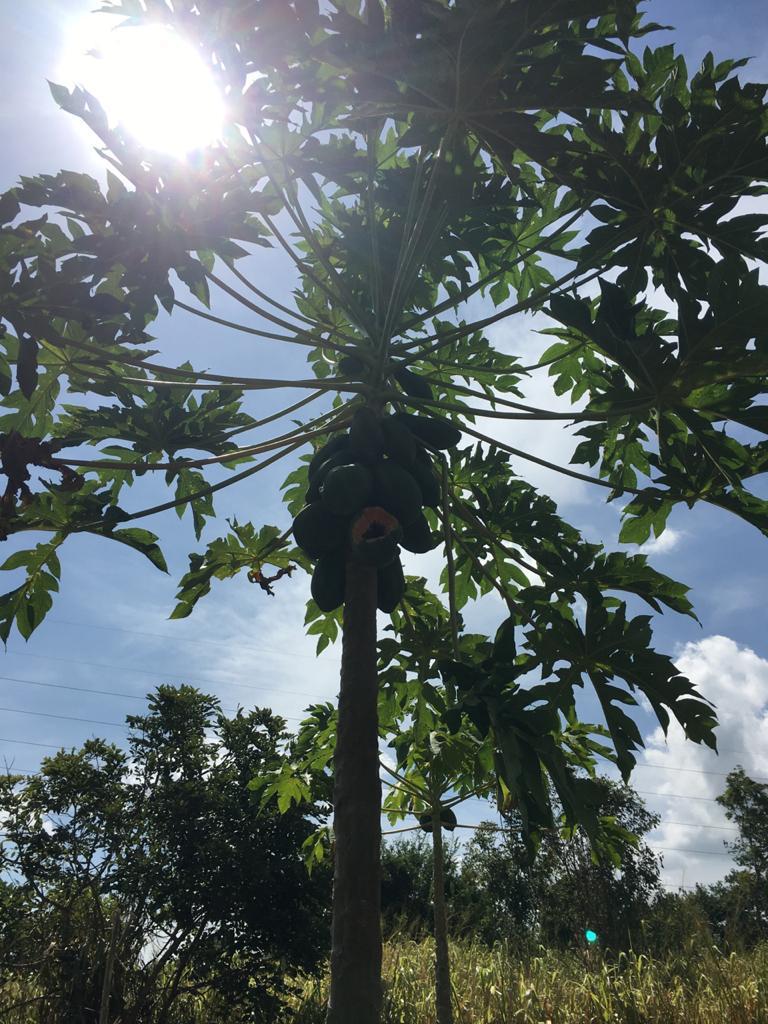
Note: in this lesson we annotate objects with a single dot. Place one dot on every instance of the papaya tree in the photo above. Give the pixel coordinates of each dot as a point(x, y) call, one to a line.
point(447, 750)
point(429, 169)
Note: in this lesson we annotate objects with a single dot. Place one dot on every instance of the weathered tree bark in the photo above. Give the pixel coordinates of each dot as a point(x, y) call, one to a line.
point(355, 996)
point(442, 955)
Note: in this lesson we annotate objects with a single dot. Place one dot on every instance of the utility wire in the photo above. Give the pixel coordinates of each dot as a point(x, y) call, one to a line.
point(678, 796)
point(67, 718)
point(157, 673)
point(107, 693)
point(181, 639)
point(693, 771)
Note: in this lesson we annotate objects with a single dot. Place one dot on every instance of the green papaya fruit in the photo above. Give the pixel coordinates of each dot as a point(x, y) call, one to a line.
point(447, 820)
point(418, 537)
point(366, 441)
point(427, 479)
point(435, 431)
point(328, 581)
point(390, 586)
point(346, 489)
point(317, 532)
point(352, 366)
point(339, 458)
point(411, 383)
point(399, 442)
point(397, 491)
point(374, 536)
point(336, 444)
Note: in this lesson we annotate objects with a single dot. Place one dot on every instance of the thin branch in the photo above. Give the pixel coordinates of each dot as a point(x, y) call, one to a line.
point(478, 325)
point(301, 434)
point(411, 235)
point(465, 513)
point(547, 465)
point(302, 337)
point(239, 382)
point(402, 780)
point(235, 294)
point(303, 267)
point(347, 300)
point(213, 488)
point(483, 570)
point(322, 385)
point(469, 290)
point(278, 305)
point(533, 413)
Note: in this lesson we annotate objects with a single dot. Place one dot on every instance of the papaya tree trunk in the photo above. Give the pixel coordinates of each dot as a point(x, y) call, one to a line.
point(442, 955)
point(355, 996)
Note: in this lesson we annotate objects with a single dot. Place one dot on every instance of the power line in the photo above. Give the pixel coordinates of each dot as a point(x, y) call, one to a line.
point(31, 743)
point(87, 689)
point(77, 689)
point(692, 771)
point(501, 828)
point(678, 796)
point(66, 718)
point(693, 824)
point(180, 639)
point(158, 673)
point(664, 821)
point(684, 849)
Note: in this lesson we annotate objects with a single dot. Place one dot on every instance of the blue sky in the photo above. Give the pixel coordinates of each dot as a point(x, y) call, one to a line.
point(109, 628)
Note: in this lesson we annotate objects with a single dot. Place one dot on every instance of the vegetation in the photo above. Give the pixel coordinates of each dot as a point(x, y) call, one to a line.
point(495, 986)
point(150, 887)
point(407, 157)
point(137, 879)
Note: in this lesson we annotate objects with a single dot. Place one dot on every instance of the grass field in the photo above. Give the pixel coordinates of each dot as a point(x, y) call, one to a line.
point(494, 987)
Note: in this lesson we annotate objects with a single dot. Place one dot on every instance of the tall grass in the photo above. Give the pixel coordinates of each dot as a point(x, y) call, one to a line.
point(496, 986)
point(493, 986)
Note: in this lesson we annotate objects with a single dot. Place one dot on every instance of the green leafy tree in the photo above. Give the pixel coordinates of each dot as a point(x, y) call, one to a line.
point(746, 803)
point(571, 886)
point(407, 885)
point(408, 157)
point(140, 877)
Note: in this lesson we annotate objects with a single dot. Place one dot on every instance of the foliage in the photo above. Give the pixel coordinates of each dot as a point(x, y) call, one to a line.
point(498, 892)
point(746, 803)
point(158, 857)
point(408, 158)
point(412, 158)
point(568, 887)
point(496, 986)
point(406, 884)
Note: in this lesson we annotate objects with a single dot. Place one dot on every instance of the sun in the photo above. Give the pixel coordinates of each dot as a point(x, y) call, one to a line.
point(152, 83)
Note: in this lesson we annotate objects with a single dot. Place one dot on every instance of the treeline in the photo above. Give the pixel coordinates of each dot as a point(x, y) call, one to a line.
point(497, 894)
point(136, 880)
point(151, 885)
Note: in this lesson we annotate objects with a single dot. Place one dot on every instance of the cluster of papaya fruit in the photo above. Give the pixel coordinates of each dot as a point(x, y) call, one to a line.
point(368, 488)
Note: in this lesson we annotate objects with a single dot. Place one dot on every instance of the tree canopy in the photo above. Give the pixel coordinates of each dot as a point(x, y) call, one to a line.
point(429, 169)
point(158, 859)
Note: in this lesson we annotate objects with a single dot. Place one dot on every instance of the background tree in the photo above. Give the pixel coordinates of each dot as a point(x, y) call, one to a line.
point(746, 803)
point(519, 151)
point(406, 883)
point(150, 874)
point(569, 887)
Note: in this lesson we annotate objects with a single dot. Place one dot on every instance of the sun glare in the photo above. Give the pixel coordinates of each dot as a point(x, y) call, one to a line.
point(153, 84)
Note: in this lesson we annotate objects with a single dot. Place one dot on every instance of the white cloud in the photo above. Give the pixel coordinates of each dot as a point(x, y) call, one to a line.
point(244, 646)
point(668, 541)
point(685, 778)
